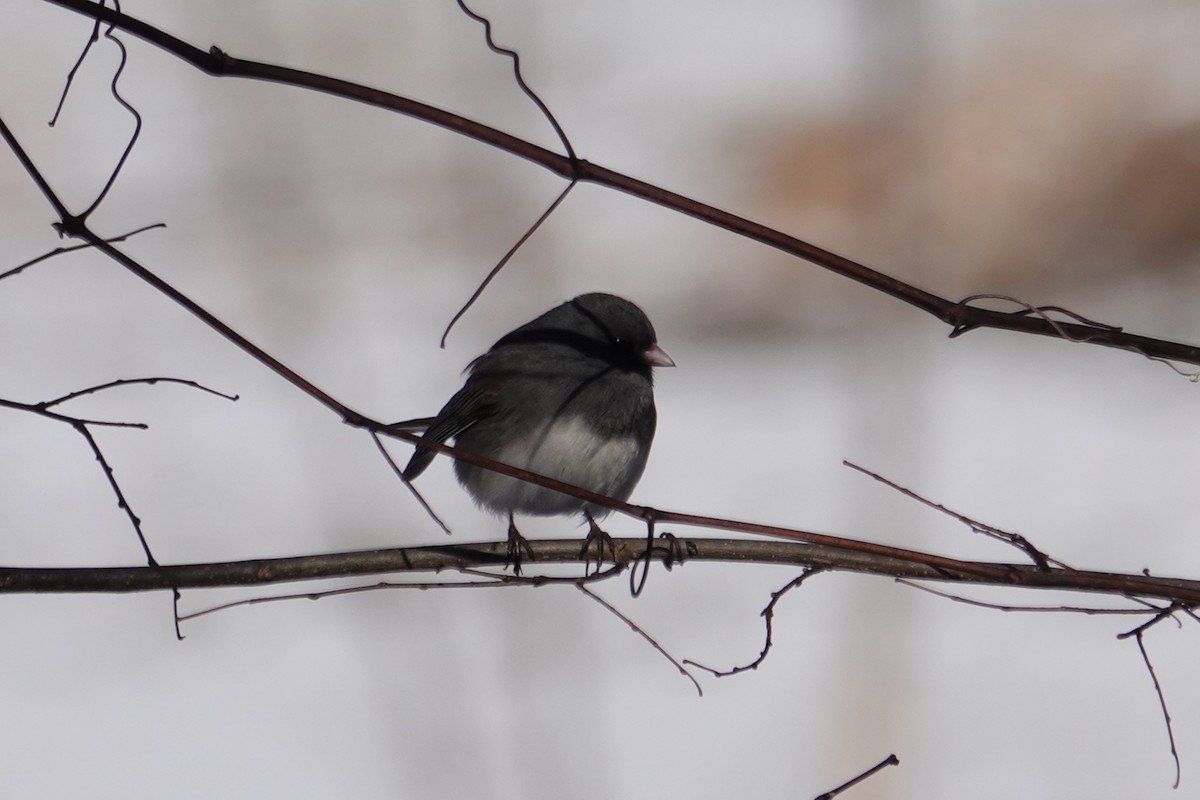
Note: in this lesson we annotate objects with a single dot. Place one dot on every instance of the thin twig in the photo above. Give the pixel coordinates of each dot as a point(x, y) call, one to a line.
point(399, 473)
point(959, 316)
point(176, 596)
point(122, 502)
point(137, 118)
point(512, 251)
point(1042, 312)
point(485, 580)
point(42, 411)
point(768, 615)
point(1160, 614)
point(58, 251)
point(82, 427)
point(637, 581)
point(1088, 335)
point(516, 59)
point(1162, 702)
point(890, 761)
point(640, 632)
point(132, 381)
point(1090, 610)
point(1014, 539)
point(496, 581)
point(93, 37)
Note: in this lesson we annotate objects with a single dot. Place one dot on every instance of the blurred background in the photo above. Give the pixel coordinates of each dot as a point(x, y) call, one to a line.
point(1049, 151)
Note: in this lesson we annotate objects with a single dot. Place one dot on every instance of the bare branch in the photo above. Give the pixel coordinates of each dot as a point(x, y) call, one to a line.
point(484, 580)
point(1162, 702)
point(1090, 610)
point(887, 762)
point(81, 426)
point(133, 112)
point(93, 37)
point(512, 251)
point(961, 316)
point(399, 473)
point(58, 251)
point(122, 502)
point(626, 551)
point(1015, 539)
point(133, 381)
point(768, 615)
point(516, 59)
point(640, 632)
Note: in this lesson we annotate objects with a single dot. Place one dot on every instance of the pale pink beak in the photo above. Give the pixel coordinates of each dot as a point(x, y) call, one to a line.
point(655, 356)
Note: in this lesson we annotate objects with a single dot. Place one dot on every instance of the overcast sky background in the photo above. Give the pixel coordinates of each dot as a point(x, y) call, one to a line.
point(1049, 151)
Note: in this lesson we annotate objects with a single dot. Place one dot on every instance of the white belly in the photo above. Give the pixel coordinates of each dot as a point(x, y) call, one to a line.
point(568, 451)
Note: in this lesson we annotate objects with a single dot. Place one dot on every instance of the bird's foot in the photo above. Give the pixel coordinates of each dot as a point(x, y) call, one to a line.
point(516, 543)
point(602, 540)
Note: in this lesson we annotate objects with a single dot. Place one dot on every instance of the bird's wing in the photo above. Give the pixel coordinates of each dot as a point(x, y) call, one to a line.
point(465, 408)
point(411, 425)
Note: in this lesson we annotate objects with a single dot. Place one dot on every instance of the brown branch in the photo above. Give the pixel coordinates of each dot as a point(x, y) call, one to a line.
point(58, 251)
point(512, 251)
point(1143, 610)
point(768, 615)
point(890, 761)
point(74, 225)
point(133, 382)
point(642, 633)
point(483, 580)
point(947, 568)
point(78, 227)
point(961, 316)
point(520, 79)
point(1162, 704)
point(83, 427)
point(626, 551)
point(982, 528)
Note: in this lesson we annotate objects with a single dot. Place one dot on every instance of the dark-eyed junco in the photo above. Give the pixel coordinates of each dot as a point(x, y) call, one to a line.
point(569, 395)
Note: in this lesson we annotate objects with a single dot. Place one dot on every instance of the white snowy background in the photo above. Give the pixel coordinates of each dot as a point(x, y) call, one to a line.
point(1045, 150)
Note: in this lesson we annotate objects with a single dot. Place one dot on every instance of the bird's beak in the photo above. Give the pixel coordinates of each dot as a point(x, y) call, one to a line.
point(655, 356)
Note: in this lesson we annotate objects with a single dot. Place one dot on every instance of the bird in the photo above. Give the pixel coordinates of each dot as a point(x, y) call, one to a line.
point(569, 395)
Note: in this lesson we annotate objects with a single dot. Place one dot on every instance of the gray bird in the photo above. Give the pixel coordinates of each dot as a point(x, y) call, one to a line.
point(570, 396)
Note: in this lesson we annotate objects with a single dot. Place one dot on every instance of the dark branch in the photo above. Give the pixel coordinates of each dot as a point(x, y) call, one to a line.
point(960, 316)
point(1162, 704)
point(768, 615)
point(436, 558)
point(890, 761)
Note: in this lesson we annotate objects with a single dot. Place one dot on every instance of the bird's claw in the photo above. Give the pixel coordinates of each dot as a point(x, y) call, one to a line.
point(516, 543)
point(602, 540)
